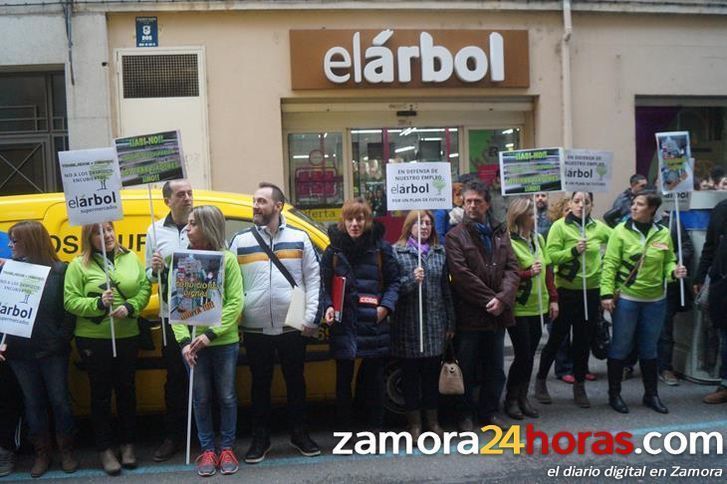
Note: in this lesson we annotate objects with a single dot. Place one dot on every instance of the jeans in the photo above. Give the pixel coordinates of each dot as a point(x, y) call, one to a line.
point(176, 387)
point(420, 382)
point(107, 374)
point(216, 365)
point(665, 349)
point(261, 350)
point(639, 322)
point(370, 387)
point(10, 407)
point(563, 360)
point(481, 352)
point(525, 336)
point(44, 381)
point(572, 315)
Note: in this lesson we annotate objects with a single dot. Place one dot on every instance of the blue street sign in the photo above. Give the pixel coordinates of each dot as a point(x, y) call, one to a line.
point(147, 32)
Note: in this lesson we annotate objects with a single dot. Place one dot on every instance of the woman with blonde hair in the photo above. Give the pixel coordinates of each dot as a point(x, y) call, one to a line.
point(95, 308)
point(420, 369)
point(359, 253)
point(213, 352)
point(40, 362)
point(536, 297)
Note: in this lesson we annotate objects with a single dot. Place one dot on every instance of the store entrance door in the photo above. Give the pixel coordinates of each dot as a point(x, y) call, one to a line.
point(373, 149)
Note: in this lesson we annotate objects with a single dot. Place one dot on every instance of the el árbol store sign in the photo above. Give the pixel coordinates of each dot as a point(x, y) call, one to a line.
point(325, 59)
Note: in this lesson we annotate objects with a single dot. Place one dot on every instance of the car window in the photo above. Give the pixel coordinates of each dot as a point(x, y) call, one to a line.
point(233, 226)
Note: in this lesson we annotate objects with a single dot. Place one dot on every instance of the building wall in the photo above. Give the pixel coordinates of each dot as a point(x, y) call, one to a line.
point(615, 57)
point(39, 42)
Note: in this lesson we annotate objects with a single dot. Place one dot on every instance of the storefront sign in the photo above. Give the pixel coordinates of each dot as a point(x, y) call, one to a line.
point(324, 215)
point(531, 171)
point(418, 186)
point(322, 59)
point(91, 185)
point(588, 171)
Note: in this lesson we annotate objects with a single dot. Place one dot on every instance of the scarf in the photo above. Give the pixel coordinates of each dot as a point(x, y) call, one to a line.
point(485, 232)
point(412, 242)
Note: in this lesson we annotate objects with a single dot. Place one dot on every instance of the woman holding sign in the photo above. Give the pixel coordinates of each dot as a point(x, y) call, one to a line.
point(421, 369)
point(639, 259)
point(40, 362)
point(95, 307)
point(213, 351)
point(566, 246)
point(535, 301)
point(359, 254)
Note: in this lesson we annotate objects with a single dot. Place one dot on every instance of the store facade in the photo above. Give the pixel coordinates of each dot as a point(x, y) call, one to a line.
point(319, 99)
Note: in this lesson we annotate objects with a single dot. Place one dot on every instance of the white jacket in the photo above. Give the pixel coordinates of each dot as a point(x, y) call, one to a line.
point(267, 292)
point(169, 239)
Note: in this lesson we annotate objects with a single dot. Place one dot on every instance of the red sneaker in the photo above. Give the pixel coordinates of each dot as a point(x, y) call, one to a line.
point(207, 463)
point(228, 462)
point(568, 379)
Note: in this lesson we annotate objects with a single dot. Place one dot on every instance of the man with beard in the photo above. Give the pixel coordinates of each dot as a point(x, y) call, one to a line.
point(268, 294)
point(171, 235)
point(544, 222)
point(485, 280)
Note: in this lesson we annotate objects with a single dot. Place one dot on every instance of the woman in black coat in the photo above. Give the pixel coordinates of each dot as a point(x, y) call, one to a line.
point(359, 253)
point(40, 362)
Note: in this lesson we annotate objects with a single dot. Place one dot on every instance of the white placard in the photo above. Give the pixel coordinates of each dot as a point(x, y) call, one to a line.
point(91, 185)
point(588, 171)
point(418, 186)
point(685, 200)
point(21, 288)
point(196, 284)
point(676, 169)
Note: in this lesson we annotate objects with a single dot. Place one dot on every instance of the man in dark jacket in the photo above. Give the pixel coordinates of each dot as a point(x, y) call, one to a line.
point(622, 205)
point(714, 263)
point(485, 279)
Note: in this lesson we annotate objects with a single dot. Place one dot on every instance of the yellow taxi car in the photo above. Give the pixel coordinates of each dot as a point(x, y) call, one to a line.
point(50, 210)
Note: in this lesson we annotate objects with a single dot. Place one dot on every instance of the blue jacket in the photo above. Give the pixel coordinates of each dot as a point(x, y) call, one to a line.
point(372, 279)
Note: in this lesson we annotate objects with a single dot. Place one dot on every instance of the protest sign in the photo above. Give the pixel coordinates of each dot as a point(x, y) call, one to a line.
point(197, 279)
point(676, 173)
point(91, 185)
point(150, 158)
point(588, 171)
point(21, 288)
point(531, 171)
point(419, 186)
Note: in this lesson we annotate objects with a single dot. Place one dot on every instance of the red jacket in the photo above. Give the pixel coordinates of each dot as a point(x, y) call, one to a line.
point(477, 277)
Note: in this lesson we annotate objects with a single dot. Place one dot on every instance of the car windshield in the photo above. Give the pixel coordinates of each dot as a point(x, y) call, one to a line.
point(303, 216)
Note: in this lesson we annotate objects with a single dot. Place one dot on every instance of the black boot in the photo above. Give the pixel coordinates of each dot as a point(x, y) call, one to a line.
point(525, 407)
point(615, 373)
point(511, 403)
point(650, 375)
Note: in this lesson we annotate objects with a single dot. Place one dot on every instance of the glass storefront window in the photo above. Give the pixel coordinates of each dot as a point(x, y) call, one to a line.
point(315, 161)
point(373, 148)
point(485, 145)
point(707, 127)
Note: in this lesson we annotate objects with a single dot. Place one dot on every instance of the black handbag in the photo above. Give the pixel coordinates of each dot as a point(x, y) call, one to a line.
point(601, 338)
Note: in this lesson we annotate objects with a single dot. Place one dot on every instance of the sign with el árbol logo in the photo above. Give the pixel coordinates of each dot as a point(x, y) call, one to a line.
point(21, 287)
point(531, 171)
point(150, 158)
point(588, 171)
point(418, 186)
point(91, 185)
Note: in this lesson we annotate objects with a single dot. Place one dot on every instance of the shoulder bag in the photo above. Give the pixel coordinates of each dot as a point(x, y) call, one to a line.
point(451, 381)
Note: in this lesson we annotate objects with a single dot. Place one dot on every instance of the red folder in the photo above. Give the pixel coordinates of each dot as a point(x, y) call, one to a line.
point(338, 292)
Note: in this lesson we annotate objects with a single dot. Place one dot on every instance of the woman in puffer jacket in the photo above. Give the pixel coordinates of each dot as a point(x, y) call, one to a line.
point(359, 253)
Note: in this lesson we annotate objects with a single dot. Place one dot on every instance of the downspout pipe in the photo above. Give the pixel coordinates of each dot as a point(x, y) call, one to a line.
point(566, 76)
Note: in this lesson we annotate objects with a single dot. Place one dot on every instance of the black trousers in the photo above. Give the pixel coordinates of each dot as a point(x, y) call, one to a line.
point(420, 382)
point(525, 336)
point(370, 388)
point(572, 315)
point(261, 350)
point(107, 374)
point(176, 388)
point(11, 405)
